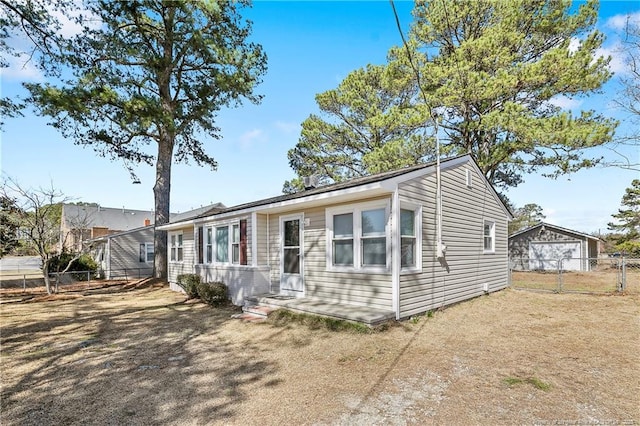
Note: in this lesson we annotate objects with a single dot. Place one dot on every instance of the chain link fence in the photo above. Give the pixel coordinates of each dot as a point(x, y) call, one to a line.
point(581, 275)
point(31, 280)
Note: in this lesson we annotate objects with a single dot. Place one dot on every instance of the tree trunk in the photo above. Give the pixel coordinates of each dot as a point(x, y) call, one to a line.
point(45, 273)
point(162, 192)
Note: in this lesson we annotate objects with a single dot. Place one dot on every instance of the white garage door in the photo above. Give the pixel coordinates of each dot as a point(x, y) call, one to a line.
point(546, 256)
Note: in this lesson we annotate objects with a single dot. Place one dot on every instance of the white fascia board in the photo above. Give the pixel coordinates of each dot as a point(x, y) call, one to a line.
point(176, 225)
point(347, 194)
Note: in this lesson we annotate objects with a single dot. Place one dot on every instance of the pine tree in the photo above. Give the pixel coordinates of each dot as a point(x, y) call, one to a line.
point(627, 221)
point(147, 83)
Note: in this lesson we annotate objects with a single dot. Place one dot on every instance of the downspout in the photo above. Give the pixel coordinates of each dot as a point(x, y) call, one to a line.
point(268, 242)
point(269, 251)
point(396, 258)
point(441, 248)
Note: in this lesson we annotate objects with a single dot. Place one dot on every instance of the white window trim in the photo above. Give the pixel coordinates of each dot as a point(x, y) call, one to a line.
point(176, 234)
point(417, 211)
point(469, 178)
point(214, 244)
point(146, 252)
point(493, 236)
point(356, 210)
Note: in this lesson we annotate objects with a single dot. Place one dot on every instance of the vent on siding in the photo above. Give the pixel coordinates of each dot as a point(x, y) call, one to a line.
point(469, 178)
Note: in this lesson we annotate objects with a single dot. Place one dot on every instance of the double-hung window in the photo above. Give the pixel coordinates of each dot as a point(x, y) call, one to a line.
point(209, 245)
point(489, 233)
point(343, 239)
point(146, 252)
point(374, 237)
point(226, 243)
point(358, 236)
point(222, 244)
point(408, 238)
point(235, 243)
point(176, 251)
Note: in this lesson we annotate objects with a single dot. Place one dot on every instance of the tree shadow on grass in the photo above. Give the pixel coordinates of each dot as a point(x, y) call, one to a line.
point(82, 361)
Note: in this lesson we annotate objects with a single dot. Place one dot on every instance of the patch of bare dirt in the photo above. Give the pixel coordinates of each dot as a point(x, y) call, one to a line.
point(144, 356)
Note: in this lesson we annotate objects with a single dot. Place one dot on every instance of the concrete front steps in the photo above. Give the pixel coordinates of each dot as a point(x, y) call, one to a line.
point(254, 313)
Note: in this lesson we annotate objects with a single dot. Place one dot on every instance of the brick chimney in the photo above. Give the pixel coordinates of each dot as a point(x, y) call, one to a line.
point(147, 222)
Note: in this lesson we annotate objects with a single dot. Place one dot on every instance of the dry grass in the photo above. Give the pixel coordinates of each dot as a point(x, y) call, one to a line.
point(144, 356)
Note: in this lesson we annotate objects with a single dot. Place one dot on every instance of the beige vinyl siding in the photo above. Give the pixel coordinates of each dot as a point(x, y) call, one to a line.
point(357, 288)
point(274, 252)
point(467, 268)
point(261, 229)
point(250, 230)
point(124, 255)
point(188, 255)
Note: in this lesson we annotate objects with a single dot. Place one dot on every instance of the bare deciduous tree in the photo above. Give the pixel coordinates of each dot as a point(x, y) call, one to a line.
point(39, 220)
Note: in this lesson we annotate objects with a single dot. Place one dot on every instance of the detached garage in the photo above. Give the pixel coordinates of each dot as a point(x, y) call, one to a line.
point(547, 247)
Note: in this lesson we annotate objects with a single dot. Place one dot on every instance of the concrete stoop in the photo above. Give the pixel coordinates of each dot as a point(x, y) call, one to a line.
point(254, 313)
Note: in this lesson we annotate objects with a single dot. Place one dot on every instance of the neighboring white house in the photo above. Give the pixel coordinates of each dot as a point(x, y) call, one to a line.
point(549, 247)
point(370, 241)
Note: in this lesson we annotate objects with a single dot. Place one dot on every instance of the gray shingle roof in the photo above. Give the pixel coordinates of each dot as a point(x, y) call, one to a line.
point(552, 226)
point(364, 180)
point(116, 219)
point(205, 210)
point(122, 219)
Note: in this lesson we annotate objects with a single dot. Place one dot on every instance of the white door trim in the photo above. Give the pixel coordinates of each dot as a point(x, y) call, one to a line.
point(288, 291)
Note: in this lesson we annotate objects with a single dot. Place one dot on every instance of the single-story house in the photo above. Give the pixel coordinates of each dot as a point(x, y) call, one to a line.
point(549, 247)
point(369, 242)
point(80, 223)
point(127, 254)
point(130, 254)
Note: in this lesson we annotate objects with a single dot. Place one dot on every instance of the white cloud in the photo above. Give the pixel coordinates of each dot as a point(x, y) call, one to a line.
point(574, 44)
point(21, 68)
point(287, 128)
point(68, 25)
point(249, 138)
point(565, 102)
point(619, 22)
point(617, 63)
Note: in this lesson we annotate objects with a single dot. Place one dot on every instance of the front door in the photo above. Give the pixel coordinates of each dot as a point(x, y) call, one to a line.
point(291, 256)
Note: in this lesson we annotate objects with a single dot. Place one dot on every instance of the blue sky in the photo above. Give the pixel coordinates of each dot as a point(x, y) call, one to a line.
point(311, 47)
